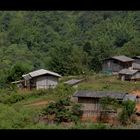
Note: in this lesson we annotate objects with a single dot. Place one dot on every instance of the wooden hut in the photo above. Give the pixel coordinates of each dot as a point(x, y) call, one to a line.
point(136, 66)
point(116, 63)
point(136, 59)
point(93, 97)
point(129, 74)
point(92, 108)
point(40, 79)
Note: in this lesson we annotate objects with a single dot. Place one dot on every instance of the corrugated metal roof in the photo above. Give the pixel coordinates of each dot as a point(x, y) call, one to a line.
point(136, 65)
point(123, 58)
point(41, 72)
point(99, 94)
point(26, 76)
point(128, 71)
point(136, 57)
point(130, 97)
point(73, 81)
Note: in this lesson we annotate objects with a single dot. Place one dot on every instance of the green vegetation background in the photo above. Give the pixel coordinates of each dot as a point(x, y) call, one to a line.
point(67, 42)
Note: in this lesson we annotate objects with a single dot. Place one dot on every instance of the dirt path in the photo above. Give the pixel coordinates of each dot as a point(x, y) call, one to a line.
point(137, 93)
point(138, 107)
point(39, 103)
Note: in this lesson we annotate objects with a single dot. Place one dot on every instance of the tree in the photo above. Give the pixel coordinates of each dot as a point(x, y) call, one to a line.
point(67, 42)
point(17, 71)
point(107, 104)
point(127, 111)
point(63, 111)
point(132, 48)
point(87, 47)
point(66, 59)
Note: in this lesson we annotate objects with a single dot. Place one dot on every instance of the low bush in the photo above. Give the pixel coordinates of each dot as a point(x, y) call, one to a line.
point(10, 97)
point(63, 91)
point(15, 98)
point(12, 117)
point(37, 93)
point(64, 111)
point(76, 109)
point(128, 109)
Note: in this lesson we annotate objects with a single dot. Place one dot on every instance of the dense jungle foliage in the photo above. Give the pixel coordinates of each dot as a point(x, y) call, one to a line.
point(67, 42)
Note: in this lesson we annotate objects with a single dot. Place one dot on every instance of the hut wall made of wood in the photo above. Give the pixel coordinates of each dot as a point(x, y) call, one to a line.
point(136, 75)
point(91, 104)
point(137, 60)
point(115, 65)
point(125, 77)
point(111, 65)
point(44, 82)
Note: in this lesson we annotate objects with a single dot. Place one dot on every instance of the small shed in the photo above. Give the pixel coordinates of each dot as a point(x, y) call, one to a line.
point(136, 59)
point(92, 109)
point(87, 96)
point(93, 97)
point(73, 82)
point(129, 74)
point(116, 63)
point(136, 66)
point(41, 79)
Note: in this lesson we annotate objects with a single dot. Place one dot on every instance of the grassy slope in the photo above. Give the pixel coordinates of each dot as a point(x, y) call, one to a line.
point(109, 83)
point(18, 115)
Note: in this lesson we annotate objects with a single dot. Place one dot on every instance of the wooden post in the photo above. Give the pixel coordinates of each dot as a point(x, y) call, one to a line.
point(122, 78)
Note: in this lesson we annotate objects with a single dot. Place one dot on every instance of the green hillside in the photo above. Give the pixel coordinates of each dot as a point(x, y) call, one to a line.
point(68, 42)
point(71, 43)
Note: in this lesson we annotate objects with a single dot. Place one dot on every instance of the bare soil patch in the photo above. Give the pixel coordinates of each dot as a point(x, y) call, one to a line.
point(39, 103)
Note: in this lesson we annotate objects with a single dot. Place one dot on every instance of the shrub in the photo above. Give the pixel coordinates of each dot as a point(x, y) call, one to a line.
point(65, 101)
point(50, 109)
point(15, 98)
point(9, 96)
point(63, 110)
point(129, 106)
point(37, 93)
point(107, 104)
point(63, 116)
point(62, 91)
point(10, 117)
point(105, 87)
point(127, 111)
point(76, 109)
